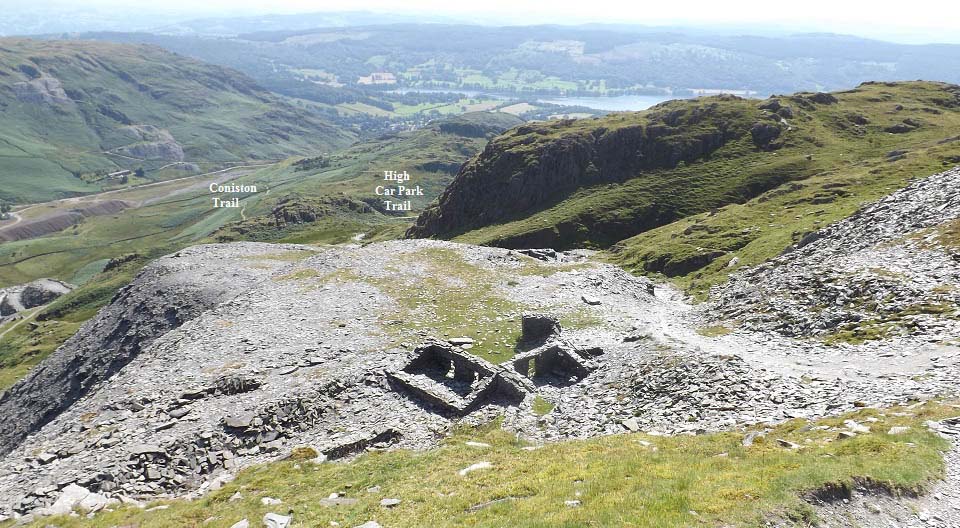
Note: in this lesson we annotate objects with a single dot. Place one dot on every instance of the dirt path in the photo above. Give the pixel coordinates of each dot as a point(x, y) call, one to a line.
point(100, 195)
point(16, 220)
point(60, 207)
point(20, 322)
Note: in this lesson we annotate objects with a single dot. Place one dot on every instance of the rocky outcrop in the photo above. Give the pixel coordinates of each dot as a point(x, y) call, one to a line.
point(45, 89)
point(164, 295)
point(534, 166)
point(764, 134)
point(155, 150)
point(43, 291)
point(31, 295)
point(292, 210)
point(151, 143)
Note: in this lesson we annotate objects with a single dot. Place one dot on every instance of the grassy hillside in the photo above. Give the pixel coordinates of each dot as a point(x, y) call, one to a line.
point(72, 111)
point(759, 174)
point(331, 198)
point(849, 166)
point(337, 190)
point(622, 480)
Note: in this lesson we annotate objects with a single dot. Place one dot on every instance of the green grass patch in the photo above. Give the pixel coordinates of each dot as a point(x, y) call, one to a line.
point(302, 274)
point(714, 331)
point(888, 324)
point(949, 234)
point(624, 480)
point(579, 319)
point(542, 407)
point(282, 256)
point(454, 298)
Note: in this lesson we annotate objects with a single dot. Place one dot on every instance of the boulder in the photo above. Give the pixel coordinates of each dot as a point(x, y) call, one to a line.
point(823, 98)
point(540, 254)
point(239, 420)
point(900, 128)
point(772, 105)
point(274, 520)
point(764, 134)
point(589, 299)
point(69, 499)
point(330, 502)
point(93, 502)
point(146, 449)
point(475, 467)
point(787, 444)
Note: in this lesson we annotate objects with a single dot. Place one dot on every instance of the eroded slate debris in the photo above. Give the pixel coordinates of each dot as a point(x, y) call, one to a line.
point(235, 360)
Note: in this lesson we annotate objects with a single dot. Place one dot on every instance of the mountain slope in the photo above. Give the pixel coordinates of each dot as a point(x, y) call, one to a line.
point(72, 111)
point(598, 182)
point(323, 199)
point(143, 403)
point(890, 269)
point(331, 198)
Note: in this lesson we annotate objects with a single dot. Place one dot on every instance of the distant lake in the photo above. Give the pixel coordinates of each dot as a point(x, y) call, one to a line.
point(617, 103)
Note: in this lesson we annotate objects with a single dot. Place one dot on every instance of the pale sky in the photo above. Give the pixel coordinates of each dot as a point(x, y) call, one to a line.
point(923, 20)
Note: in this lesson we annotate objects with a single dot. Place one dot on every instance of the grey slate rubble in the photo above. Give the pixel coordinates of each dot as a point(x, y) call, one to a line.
point(167, 294)
point(234, 365)
point(881, 261)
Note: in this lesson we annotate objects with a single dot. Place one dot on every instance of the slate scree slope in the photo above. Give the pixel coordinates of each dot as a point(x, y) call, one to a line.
point(221, 356)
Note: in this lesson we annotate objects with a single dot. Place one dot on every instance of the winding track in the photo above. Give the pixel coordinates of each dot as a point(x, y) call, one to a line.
point(21, 321)
point(18, 215)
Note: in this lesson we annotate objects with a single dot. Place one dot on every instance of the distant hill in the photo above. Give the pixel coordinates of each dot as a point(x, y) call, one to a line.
point(71, 112)
point(555, 60)
point(736, 167)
